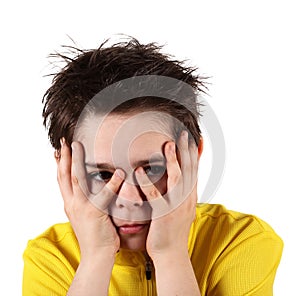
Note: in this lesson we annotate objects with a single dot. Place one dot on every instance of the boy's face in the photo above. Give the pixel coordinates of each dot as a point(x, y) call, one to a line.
point(128, 142)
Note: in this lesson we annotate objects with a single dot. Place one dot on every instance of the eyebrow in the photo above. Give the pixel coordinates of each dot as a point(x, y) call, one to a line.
point(139, 163)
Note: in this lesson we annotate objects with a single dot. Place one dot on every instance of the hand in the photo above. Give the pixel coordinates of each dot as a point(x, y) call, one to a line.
point(173, 213)
point(93, 228)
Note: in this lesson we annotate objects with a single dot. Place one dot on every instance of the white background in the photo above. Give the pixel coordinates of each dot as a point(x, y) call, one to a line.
point(251, 50)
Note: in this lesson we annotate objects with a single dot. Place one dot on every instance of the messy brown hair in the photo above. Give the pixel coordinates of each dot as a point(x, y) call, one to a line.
point(87, 72)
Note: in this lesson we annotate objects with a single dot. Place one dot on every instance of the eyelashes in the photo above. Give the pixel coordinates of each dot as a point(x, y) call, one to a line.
point(155, 170)
point(152, 171)
point(100, 176)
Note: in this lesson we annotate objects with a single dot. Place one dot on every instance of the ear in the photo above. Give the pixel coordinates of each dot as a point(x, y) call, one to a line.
point(200, 147)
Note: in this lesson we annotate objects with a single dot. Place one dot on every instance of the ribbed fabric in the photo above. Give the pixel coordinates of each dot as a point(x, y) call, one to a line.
point(232, 254)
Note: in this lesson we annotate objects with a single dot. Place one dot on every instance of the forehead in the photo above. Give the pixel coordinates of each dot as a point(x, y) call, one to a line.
point(121, 139)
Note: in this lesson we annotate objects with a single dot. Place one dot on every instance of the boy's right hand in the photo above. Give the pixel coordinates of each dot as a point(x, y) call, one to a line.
point(93, 228)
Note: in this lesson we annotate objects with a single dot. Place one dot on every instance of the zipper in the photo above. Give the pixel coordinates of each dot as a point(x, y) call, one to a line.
point(148, 267)
point(148, 274)
point(148, 270)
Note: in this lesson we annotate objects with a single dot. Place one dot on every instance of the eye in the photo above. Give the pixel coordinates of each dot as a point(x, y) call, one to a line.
point(101, 176)
point(155, 170)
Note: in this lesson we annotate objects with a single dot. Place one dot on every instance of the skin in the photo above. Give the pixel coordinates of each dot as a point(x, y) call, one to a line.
point(164, 203)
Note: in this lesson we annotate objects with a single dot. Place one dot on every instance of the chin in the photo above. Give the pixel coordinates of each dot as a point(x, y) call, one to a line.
point(133, 243)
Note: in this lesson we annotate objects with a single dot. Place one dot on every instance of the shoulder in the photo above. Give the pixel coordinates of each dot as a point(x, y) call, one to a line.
point(50, 261)
point(57, 234)
point(211, 215)
point(58, 241)
point(230, 227)
point(229, 244)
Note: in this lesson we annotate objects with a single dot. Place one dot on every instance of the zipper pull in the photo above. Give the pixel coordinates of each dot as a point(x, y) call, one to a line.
point(148, 268)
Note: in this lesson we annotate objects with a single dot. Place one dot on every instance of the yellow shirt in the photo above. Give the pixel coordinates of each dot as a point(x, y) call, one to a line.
point(231, 253)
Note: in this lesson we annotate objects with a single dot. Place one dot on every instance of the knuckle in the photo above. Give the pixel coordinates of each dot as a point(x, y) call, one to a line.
point(174, 179)
point(113, 184)
point(74, 180)
point(195, 165)
point(61, 174)
point(154, 193)
point(185, 165)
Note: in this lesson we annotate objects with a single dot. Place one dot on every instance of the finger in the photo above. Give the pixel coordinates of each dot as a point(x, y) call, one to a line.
point(146, 185)
point(183, 147)
point(193, 151)
point(176, 181)
point(79, 183)
point(158, 204)
point(173, 168)
point(191, 189)
point(64, 171)
point(102, 199)
point(189, 167)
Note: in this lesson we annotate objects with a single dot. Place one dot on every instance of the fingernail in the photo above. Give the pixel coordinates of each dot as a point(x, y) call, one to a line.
point(120, 173)
point(172, 148)
point(73, 146)
point(140, 171)
point(62, 141)
point(184, 135)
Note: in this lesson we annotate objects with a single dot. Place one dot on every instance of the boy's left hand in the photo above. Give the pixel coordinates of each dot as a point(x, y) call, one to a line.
point(173, 213)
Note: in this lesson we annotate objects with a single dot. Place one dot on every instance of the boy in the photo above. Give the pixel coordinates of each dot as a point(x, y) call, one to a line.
point(124, 122)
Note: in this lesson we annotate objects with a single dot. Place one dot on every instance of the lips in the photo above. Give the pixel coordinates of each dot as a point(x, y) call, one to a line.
point(131, 228)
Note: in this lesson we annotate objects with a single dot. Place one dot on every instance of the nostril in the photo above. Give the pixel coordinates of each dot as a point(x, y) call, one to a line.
point(122, 202)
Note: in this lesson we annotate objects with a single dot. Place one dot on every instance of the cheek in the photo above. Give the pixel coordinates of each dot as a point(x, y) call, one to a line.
point(161, 184)
point(94, 186)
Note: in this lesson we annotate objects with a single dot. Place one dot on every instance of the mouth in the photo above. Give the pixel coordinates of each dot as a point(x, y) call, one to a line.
point(131, 228)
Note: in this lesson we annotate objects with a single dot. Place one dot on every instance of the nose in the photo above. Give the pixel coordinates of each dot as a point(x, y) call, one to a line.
point(129, 196)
